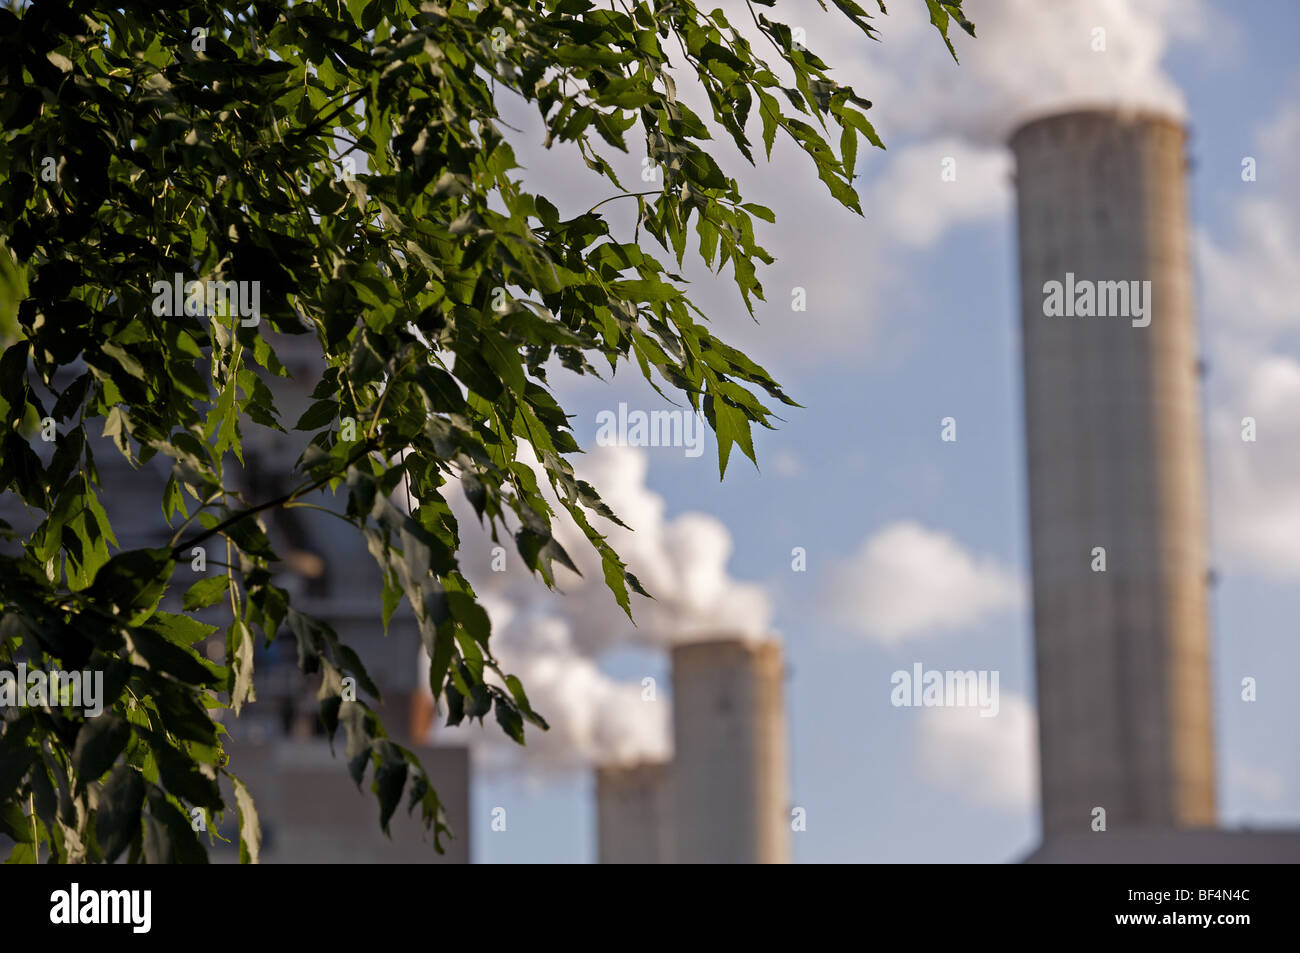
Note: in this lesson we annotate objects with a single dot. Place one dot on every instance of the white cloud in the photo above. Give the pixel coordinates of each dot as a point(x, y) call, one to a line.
point(1252, 301)
point(906, 581)
point(1252, 282)
point(1257, 505)
point(787, 464)
point(993, 761)
point(917, 205)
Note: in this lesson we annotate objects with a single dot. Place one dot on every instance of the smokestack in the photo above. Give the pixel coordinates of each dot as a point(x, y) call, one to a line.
point(729, 765)
point(634, 813)
point(1116, 473)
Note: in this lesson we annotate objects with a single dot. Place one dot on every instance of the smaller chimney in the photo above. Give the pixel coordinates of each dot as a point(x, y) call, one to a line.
point(634, 813)
point(730, 795)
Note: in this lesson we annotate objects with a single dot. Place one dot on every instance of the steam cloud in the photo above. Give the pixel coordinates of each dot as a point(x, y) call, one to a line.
point(553, 640)
point(1029, 57)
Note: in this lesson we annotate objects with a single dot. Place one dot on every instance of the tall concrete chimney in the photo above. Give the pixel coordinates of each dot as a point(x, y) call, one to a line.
point(634, 813)
point(730, 799)
point(1115, 458)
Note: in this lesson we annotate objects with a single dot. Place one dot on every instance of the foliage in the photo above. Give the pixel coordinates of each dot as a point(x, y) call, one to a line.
point(213, 141)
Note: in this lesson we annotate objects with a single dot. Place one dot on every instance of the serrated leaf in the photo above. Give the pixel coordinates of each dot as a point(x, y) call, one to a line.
point(250, 828)
point(242, 648)
point(390, 779)
point(318, 415)
point(206, 592)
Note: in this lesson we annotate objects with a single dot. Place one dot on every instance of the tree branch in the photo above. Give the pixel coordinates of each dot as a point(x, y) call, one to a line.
point(289, 497)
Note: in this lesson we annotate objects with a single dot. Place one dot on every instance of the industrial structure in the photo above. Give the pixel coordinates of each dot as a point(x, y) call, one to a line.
point(634, 808)
point(724, 796)
point(1117, 510)
point(1116, 464)
point(730, 801)
point(310, 809)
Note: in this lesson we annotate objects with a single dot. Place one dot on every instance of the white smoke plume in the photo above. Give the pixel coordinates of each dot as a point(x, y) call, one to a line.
point(553, 640)
point(1029, 57)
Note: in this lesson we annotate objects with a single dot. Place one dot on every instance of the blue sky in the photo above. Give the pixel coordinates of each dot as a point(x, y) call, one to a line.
point(912, 317)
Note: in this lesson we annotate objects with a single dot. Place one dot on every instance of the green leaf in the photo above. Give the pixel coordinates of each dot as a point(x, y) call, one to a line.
point(471, 615)
point(179, 629)
point(133, 580)
point(168, 837)
point(240, 648)
point(521, 699)
point(162, 655)
point(223, 422)
point(99, 742)
point(182, 777)
point(16, 756)
point(318, 415)
point(509, 720)
point(353, 716)
point(426, 293)
point(250, 829)
point(115, 426)
point(120, 803)
point(206, 592)
point(23, 853)
point(390, 779)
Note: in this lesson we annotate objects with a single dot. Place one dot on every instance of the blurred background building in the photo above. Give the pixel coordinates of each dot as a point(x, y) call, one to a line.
point(309, 808)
